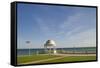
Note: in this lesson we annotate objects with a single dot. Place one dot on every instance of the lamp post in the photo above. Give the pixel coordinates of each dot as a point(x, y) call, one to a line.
point(28, 42)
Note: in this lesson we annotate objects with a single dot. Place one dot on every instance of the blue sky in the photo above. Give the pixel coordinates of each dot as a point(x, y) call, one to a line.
point(68, 26)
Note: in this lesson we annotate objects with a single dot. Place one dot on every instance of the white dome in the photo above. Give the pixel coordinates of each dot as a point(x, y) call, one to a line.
point(50, 43)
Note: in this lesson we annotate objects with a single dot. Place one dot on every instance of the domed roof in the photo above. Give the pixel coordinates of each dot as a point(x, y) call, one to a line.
point(50, 43)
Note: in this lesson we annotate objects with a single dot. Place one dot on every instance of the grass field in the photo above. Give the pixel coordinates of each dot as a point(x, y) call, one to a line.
point(33, 58)
point(72, 59)
point(24, 59)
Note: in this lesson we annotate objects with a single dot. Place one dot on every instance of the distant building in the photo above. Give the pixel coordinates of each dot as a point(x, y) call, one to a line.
point(50, 47)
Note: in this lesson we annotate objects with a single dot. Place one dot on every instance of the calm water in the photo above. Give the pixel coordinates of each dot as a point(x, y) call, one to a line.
point(59, 50)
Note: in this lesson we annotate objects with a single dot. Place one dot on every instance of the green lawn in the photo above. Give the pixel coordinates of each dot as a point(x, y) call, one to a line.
point(24, 59)
point(72, 59)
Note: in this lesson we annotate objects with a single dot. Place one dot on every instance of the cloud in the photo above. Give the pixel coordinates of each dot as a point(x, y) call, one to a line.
point(83, 39)
point(70, 20)
point(68, 26)
point(76, 30)
point(42, 25)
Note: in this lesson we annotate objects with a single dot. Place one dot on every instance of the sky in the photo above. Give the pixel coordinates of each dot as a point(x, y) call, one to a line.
point(68, 26)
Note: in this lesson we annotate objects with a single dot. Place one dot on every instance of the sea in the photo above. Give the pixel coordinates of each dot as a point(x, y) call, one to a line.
point(34, 51)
